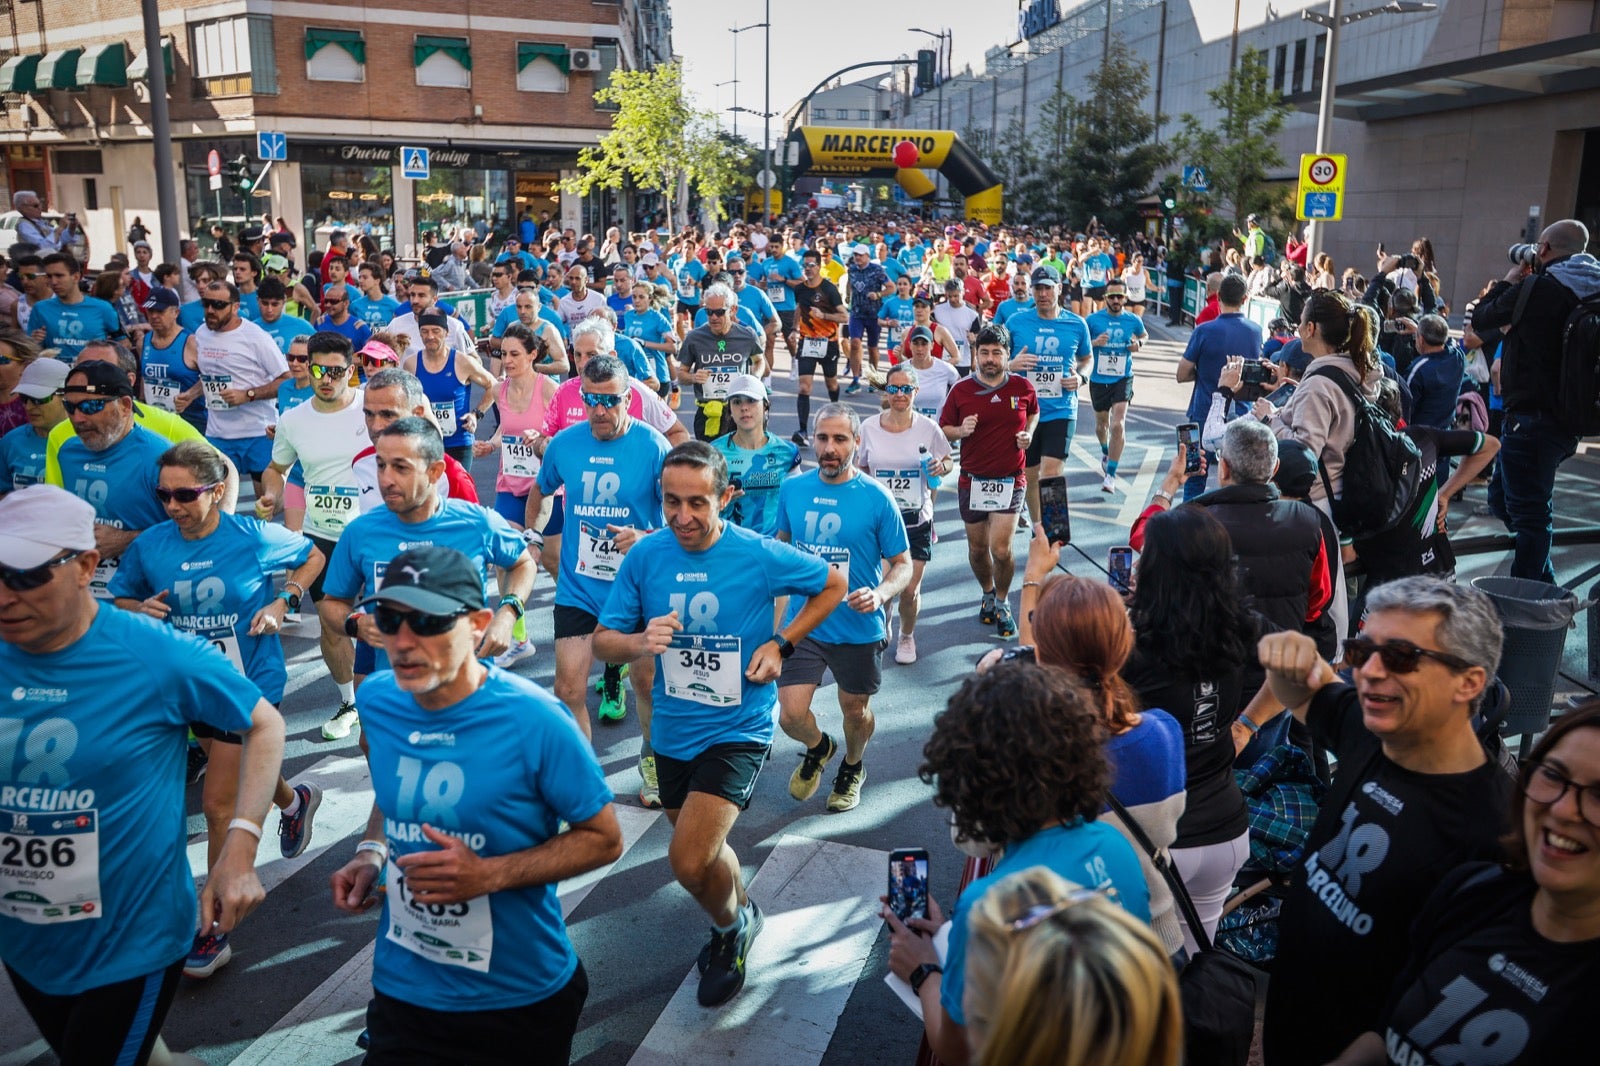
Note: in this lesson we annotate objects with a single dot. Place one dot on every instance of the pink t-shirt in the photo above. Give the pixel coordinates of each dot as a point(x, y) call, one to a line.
point(566, 409)
point(513, 423)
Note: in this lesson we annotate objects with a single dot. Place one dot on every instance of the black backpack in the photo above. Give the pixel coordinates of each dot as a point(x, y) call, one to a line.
point(1577, 398)
point(1382, 468)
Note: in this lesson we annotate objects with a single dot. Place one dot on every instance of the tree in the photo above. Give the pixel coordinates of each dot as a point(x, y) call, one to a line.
point(1238, 152)
point(659, 142)
point(1110, 157)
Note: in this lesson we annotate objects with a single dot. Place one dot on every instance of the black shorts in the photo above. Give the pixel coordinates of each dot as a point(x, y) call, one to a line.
point(921, 537)
point(858, 668)
point(112, 1023)
point(1075, 291)
point(972, 516)
point(1096, 292)
point(574, 622)
point(202, 731)
point(1106, 394)
point(786, 322)
point(1051, 439)
point(405, 1034)
point(829, 363)
point(688, 309)
point(315, 593)
point(727, 771)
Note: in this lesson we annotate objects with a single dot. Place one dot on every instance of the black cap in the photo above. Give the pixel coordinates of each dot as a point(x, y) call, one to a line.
point(101, 379)
point(251, 234)
point(1297, 469)
point(431, 579)
point(921, 333)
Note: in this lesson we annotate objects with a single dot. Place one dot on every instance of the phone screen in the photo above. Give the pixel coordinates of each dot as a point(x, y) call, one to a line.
point(1053, 513)
point(908, 882)
point(1120, 567)
point(1187, 433)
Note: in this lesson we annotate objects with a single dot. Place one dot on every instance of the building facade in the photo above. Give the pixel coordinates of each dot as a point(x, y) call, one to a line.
point(501, 95)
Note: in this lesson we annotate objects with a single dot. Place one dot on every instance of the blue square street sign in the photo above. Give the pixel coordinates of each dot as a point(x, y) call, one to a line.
point(1195, 178)
point(1321, 205)
point(272, 146)
point(413, 162)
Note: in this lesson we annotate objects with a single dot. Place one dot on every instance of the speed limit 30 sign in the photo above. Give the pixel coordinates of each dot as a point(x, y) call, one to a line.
point(1320, 195)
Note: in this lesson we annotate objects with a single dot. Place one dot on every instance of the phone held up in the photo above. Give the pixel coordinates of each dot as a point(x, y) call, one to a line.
point(1054, 517)
point(1119, 565)
point(908, 883)
point(1188, 436)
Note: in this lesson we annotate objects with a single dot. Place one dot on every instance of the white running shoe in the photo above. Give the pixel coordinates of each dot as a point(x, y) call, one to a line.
point(905, 653)
point(514, 654)
point(1109, 484)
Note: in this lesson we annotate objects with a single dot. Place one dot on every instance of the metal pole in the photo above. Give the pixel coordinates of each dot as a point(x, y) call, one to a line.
point(161, 132)
point(1325, 117)
point(735, 81)
point(766, 127)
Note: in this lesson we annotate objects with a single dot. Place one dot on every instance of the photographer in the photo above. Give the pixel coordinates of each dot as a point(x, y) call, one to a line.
point(1556, 275)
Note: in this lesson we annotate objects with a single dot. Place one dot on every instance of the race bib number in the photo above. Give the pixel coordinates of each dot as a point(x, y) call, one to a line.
point(162, 393)
point(814, 348)
point(1110, 364)
point(49, 865)
point(895, 333)
point(703, 669)
point(225, 641)
point(445, 415)
point(963, 353)
point(517, 458)
point(687, 286)
point(719, 381)
point(215, 385)
point(838, 559)
point(331, 507)
point(100, 582)
point(599, 556)
point(777, 292)
point(992, 494)
point(450, 934)
point(1047, 383)
point(930, 412)
point(905, 486)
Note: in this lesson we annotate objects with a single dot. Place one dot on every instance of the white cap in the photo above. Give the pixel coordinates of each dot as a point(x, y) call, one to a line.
point(649, 259)
point(42, 378)
point(39, 522)
point(861, 249)
point(747, 385)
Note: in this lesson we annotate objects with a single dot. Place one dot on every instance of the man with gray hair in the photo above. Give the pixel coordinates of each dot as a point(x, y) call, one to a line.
point(712, 355)
point(33, 227)
point(1415, 794)
point(451, 273)
point(1434, 377)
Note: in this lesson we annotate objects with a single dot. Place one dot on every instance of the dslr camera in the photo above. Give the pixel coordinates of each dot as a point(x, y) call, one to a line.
point(1523, 255)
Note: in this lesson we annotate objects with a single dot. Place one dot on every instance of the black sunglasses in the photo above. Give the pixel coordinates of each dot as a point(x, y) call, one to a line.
point(1399, 656)
point(716, 312)
point(388, 621)
point(34, 401)
point(185, 495)
point(298, 358)
point(88, 407)
point(217, 305)
point(33, 577)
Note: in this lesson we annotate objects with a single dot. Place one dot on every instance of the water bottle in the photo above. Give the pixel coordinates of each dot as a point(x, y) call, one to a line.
point(927, 465)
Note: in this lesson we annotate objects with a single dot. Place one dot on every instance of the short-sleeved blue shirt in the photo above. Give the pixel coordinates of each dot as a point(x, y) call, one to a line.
point(854, 524)
point(1060, 343)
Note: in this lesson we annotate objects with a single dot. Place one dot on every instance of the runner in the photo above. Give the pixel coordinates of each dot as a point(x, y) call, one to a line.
point(712, 355)
point(851, 522)
point(754, 303)
point(22, 451)
point(961, 320)
point(447, 376)
point(675, 598)
point(869, 284)
point(580, 301)
point(95, 951)
point(474, 962)
point(1117, 335)
point(652, 331)
point(169, 353)
point(758, 461)
point(1018, 299)
point(908, 452)
point(291, 394)
point(526, 309)
point(935, 377)
point(1051, 346)
point(240, 369)
point(819, 312)
point(68, 320)
point(209, 573)
point(897, 317)
point(994, 414)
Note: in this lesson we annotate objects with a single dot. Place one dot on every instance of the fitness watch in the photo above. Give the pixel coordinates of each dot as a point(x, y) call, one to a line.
point(921, 974)
point(785, 649)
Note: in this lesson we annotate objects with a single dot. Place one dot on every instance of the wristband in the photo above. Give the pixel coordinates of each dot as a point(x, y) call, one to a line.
point(1248, 724)
point(1161, 496)
point(377, 847)
point(518, 608)
point(247, 825)
point(532, 539)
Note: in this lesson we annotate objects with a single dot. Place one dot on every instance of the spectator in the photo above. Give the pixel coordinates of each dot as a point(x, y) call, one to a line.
point(1209, 347)
point(1290, 290)
point(1323, 276)
point(1414, 794)
point(1260, 277)
point(1212, 306)
point(1434, 378)
point(451, 273)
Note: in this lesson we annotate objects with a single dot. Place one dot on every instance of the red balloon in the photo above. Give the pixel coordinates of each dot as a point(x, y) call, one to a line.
point(906, 155)
point(813, 203)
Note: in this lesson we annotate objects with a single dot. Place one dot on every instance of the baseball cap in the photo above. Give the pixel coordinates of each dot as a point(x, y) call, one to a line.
point(921, 333)
point(161, 298)
point(1252, 218)
point(1297, 469)
point(860, 249)
point(1294, 355)
point(39, 522)
point(141, 244)
point(274, 264)
point(432, 579)
point(42, 378)
point(747, 385)
point(101, 379)
point(1045, 275)
point(649, 259)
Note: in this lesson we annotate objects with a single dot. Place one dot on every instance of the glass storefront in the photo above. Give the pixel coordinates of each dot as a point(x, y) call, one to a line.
point(450, 200)
point(352, 196)
point(232, 206)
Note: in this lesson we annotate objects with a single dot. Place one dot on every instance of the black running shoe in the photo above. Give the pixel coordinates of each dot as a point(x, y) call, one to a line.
point(725, 966)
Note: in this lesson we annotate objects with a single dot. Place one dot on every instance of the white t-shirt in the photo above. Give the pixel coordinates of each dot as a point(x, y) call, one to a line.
point(896, 459)
point(933, 385)
point(324, 443)
point(574, 311)
point(959, 321)
point(244, 357)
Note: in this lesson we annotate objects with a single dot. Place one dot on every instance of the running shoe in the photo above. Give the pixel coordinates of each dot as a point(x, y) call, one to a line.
point(344, 719)
point(800, 438)
point(650, 793)
point(1109, 484)
point(613, 705)
point(514, 654)
point(853, 388)
point(803, 783)
point(1005, 624)
point(725, 967)
point(1022, 521)
point(905, 653)
point(294, 831)
point(208, 955)
point(846, 794)
point(600, 682)
point(986, 613)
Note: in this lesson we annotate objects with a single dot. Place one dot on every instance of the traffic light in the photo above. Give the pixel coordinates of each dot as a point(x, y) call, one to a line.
point(238, 174)
point(925, 68)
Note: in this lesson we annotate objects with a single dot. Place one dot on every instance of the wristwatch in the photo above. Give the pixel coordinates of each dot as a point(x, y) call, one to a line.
point(249, 394)
point(291, 599)
point(785, 649)
point(352, 623)
point(515, 603)
point(921, 974)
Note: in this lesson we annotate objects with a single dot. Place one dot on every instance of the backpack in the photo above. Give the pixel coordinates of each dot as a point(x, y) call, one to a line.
point(1382, 468)
point(1577, 398)
point(1269, 250)
point(1471, 412)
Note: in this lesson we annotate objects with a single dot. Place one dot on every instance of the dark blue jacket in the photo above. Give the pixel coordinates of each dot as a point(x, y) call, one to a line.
point(1435, 384)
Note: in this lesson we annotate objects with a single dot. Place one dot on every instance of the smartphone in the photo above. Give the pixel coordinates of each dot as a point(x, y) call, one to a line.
point(1054, 516)
point(908, 882)
point(1119, 564)
point(1255, 373)
point(1188, 434)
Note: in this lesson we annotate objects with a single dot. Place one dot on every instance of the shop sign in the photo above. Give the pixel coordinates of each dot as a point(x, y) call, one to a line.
point(447, 158)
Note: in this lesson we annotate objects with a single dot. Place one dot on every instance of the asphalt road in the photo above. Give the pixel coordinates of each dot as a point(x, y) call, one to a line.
point(295, 987)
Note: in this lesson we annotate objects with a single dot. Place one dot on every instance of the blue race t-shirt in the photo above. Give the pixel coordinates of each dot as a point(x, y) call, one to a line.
point(1061, 343)
point(191, 316)
point(375, 313)
point(1010, 306)
point(508, 315)
point(354, 328)
point(780, 270)
point(688, 275)
point(21, 459)
point(215, 586)
point(900, 315)
point(751, 297)
point(1096, 269)
point(91, 786)
point(609, 483)
point(635, 358)
point(653, 327)
point(723, 597)
point(760, 475)
point(853, 526)
point(500, 770)
point(119, 482)
point(68, 327)
point(285, 328)
point(1113, 361)
point(1210, 345)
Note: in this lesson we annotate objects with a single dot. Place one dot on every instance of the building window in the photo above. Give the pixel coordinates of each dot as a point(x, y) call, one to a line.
point(610, 60)
point(233, 56)
point(1299, 65)
point(443, 62)
point(1280, 63)
point(862, 115)
point(542, 68)
point(1319, 58)
point(335, 55)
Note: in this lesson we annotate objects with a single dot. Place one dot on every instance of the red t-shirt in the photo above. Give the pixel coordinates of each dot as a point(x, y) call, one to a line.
point(462, 487)
point(1002, 412)
point(972, 291)
point(1211, 310)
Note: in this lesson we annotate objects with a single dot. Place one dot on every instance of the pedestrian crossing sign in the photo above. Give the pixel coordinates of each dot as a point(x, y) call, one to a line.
point(413, 162)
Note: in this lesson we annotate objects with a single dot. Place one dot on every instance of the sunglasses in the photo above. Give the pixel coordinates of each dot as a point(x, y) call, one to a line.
point(88, 407)
point(1043, 912)
point(217, 305)
point(29, 277)
point(298, 358)
point(185, 495)
point(336, 372)
point(736, 273)
point(34, 401)
point(10, 360)
point(1399, 656)
point(601, 399)
point(716, 312)
point(388, 621)
point(33, 577)
point(900, 390)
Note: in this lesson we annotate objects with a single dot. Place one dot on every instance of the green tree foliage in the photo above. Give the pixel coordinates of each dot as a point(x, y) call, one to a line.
point(1111, 157)
point(658, 142)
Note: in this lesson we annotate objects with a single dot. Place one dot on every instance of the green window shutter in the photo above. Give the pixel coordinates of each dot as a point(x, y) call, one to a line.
point(59, 69)
point(350, 40)
point(454, 47)
point(558, 54)
point(139, 68)
point(17, 74)
point(103, 64)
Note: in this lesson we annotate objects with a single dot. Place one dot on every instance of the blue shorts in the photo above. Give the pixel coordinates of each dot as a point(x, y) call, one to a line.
point(868, 325)
point(251, 455)
point(514, 509)
point(366, 659)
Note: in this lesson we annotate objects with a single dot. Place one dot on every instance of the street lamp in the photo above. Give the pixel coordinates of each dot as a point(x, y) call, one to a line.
point(735, 83)
point(766, 128)
point(939, 68)
point(1333, 22)
point(736, 30)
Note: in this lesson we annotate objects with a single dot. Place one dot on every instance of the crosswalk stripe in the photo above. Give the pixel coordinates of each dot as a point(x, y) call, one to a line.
point(820, 902)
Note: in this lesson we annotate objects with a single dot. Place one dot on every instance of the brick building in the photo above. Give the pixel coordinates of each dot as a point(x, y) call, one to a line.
point(501, 94)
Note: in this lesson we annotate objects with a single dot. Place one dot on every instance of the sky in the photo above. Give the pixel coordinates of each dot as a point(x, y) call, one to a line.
point(811, 40)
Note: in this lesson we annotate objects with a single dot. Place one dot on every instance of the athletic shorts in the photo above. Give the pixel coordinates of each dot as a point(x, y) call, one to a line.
point(864, 326)
point(921, 537)
point(315, 593)
point(727, 771)
point(858, 668)
point(688, 309)
point(1106, 394)
point(1051, 439)
point(1075, 291)
point(366, 659)
point(250, 455)
point(404, 1034)
point(514, 509)
point(202, 731)
point(964, 499)
point(786, 322)
point(1097, 292)
point(829, 363)
point(574, 622)
point(111, 1023)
